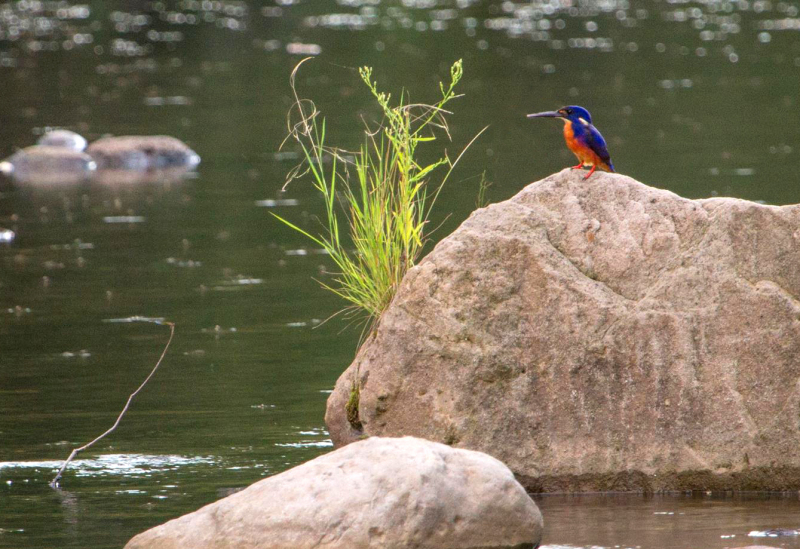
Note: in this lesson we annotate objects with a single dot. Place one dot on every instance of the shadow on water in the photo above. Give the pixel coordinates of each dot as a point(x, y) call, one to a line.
point(688, 95)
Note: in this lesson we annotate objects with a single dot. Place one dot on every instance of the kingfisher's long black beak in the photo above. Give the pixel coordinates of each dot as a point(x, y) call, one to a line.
point(546, 114)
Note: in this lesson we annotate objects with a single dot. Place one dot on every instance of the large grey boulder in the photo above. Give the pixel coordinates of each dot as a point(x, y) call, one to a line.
point(377, 493)
point(597, 335)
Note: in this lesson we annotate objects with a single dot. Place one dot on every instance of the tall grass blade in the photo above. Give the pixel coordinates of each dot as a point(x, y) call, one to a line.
point(381, 194)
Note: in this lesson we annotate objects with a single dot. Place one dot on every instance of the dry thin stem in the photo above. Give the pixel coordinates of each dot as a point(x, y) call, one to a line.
point(54, 482)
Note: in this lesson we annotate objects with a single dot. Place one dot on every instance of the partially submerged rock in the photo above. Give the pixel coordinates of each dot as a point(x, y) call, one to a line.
point(47, 164)
point(377, 493)
point(142, 153)
point(597, 335)
point(63, 138)
point(125, 159)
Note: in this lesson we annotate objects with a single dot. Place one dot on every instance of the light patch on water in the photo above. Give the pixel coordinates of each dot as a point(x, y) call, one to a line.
point(296, 324)
point(161, 101)
point(248, 281)
point(154, 320)
point(7, 236)
point(184, 263)
point(327, 443)
point(124, 219)
point(77, 245)
point(298, 48)
point(315, 432)
point(115, 464)
point(83, 353)
point(237, 284)
point(219, 330)
point(270, 203)
point(238, 281)
point(744, 171)
point(284, 155)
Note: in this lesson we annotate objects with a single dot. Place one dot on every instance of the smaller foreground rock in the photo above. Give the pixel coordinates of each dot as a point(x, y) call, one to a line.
point(377, 493)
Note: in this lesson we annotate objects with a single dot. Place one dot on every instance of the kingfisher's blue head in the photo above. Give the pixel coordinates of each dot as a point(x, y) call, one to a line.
point(573, 113)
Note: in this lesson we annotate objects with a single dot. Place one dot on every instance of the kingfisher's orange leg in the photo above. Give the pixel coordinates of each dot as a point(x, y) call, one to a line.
point(594, 167)
point(576, 167)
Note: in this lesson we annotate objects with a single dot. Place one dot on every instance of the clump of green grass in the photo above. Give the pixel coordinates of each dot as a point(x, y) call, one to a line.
point(377, 199)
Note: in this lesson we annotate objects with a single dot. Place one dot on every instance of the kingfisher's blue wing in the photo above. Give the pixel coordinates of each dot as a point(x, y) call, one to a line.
point(598, 145)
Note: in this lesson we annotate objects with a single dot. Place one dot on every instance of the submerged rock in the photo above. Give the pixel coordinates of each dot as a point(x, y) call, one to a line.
point(597, 335)
point(47, 164)
point(142, 153)
point(63, 138)
point(376, 493)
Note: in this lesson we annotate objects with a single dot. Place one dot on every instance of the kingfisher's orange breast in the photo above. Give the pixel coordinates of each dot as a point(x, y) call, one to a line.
point(584, 153)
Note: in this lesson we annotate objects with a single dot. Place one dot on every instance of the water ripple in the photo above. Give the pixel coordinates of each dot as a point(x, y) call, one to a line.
point(116, 464)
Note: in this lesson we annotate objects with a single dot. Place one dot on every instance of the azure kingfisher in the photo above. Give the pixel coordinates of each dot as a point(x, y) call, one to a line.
point(582, 137)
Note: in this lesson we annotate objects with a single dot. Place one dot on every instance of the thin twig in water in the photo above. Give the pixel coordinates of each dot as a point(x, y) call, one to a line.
point(54, 482)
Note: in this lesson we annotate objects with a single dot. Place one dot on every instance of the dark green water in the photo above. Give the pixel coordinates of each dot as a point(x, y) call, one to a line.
point(697, 97)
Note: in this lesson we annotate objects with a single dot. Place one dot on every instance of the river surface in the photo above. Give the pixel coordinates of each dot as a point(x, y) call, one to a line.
point(697, 97)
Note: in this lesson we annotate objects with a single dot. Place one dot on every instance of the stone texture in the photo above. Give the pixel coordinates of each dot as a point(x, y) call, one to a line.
point(598, 335)
point(378, 493)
